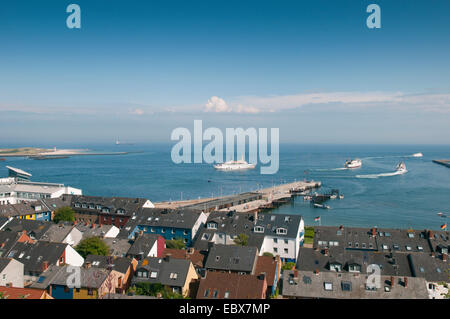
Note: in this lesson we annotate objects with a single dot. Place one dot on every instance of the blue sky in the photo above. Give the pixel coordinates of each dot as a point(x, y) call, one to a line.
point(139, 69)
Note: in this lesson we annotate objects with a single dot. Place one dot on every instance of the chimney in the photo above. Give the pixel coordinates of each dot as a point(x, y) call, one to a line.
point(75, 222)
point(93, 225)
point(9, 285)
point(167, 258)
point(87, 264)
point(325, 251)
point(374, 231)
point(432, 254)
point(295, 273)
point(392, 281)
point(430, 234)
point(2, 245)
point(444, 257)
point(405, 280)
point(44, 266)
point(316, 271)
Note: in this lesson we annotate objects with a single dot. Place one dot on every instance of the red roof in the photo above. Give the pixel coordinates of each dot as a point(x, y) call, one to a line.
point(23, 293)
point(217, 284)
point(268, 266)
point(194, 256)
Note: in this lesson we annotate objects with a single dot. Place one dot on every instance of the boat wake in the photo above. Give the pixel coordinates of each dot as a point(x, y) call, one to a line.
point(331, 169)
point(382, 175)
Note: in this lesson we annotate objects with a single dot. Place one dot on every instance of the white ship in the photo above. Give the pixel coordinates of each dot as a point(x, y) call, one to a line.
point(417, 155)
point(234, 165)
point(353, 163)
point(401, 167)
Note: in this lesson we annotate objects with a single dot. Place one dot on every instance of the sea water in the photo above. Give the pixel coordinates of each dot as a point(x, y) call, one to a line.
point(374, 195)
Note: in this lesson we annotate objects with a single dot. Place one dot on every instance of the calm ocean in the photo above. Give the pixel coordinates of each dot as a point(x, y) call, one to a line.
point(401, 201)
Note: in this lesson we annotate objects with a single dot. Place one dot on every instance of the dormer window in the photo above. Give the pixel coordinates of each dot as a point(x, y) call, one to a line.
point(354, 268)
point(335, 267)
point(77, 205)
point(259, 229)
point(84, 205)
point(91, 206)
point(212, 226)
point(99, 207)
point(120, 211)
point(105, 210)
point(281, 231)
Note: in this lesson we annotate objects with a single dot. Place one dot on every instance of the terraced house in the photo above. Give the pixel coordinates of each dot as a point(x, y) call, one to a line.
point(280, 235)
point(107, 210)
point(170, 224)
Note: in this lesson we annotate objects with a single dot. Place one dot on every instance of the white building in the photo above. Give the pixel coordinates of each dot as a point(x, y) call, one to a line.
point(17, 188)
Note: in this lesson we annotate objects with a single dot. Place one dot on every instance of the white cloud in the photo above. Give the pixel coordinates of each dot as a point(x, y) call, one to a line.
point(216, 104)
point(137, 112)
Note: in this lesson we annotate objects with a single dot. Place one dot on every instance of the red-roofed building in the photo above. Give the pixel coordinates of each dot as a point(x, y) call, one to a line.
point(218, 285)
point(271, 268)
point(23, 293)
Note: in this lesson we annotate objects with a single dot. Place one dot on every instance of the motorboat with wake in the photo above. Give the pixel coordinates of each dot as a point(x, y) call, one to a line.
point(401, 168)
point(356, 163)
point(417, 155)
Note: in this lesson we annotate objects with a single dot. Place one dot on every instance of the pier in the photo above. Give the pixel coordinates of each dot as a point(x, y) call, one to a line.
point(249, 202)
point(442, 162)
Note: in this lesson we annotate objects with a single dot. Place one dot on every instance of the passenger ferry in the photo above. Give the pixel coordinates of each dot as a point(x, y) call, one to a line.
point(234, 165)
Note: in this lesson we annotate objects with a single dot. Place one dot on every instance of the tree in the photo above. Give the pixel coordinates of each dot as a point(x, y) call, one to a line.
point(92, 246)
point(241, 240)
point(175, 243)
point(288, 266)
point(268, 254)
point(64, 214)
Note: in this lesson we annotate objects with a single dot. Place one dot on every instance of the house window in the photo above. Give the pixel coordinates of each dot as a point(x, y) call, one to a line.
point(354, 268)
point(206, 294)
point(66, 289)
point(286, 251)
point(153, 274)
point(259, 229)
point(286, 241)
point(90, 291)
point(163, 230)
point(275, 240)
point(281, 231)
point(173, 275)
point(275, 249)
point(226, 295)
point(216, 293)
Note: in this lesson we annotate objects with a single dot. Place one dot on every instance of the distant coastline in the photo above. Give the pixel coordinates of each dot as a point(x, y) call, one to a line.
point(38, 152)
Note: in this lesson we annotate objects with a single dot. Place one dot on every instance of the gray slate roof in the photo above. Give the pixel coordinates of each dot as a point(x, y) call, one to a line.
point(34, 228)
point(164, 267)
point(119, 264)
point(160, 217)
point(4, 262)
point(309, 285)
point(232, 258)
point(142, 245)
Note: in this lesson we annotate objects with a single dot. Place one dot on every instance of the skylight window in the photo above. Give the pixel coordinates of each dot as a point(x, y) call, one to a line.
point(153, 274)
point(173, 275)
point(328, 286)
point(346, 286)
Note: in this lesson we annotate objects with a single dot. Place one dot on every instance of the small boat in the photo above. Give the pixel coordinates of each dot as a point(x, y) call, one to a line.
point(356, 163)
point(417, 155)
point(401, 168)
point(307, 197)
point(440, 214)
point(341, 196)
point(321, 206)
point(333, 196)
